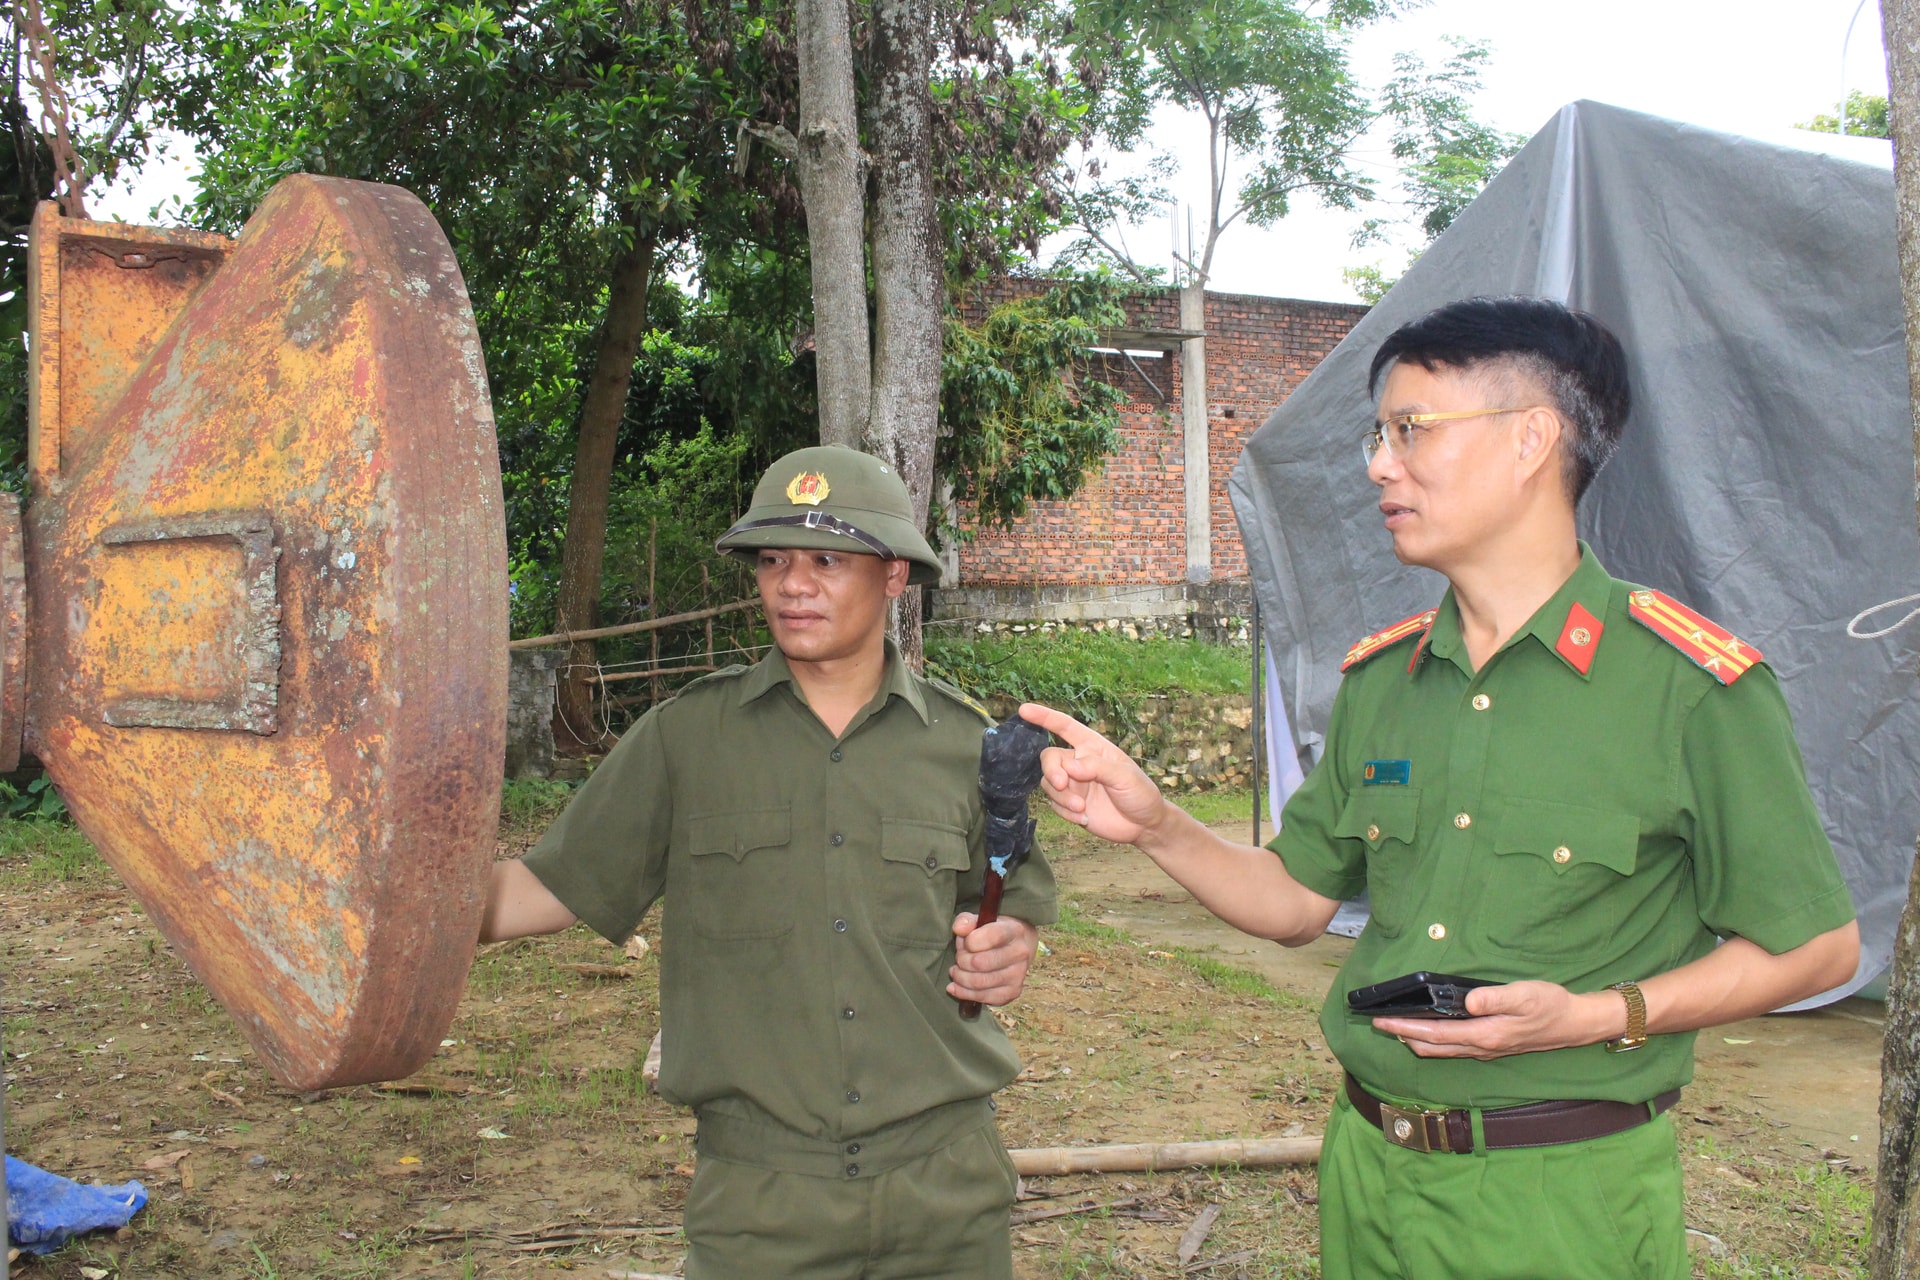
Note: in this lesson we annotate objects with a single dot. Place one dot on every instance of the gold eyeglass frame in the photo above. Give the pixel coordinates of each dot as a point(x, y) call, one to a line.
point(1375, 440)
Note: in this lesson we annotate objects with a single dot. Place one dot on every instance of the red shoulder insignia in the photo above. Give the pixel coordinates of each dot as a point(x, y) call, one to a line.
point(1578, 638)
point(1416, 625)
point(1722, 654)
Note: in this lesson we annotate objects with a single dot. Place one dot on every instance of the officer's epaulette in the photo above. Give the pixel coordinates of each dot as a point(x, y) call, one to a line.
point(1401, 630)
point(1718, 651)
point(962, 697)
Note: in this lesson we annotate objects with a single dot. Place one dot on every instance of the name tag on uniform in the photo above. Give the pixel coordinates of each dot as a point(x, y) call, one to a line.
point(1387, 773)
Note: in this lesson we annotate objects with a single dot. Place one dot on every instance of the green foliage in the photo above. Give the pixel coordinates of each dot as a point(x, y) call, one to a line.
point(37, 801)
point(1866, 117)
point(1446, 157)
point(526, 802)
point(1369, 282)
point(1270, 78)
point(1090, 675)
point(1021, 423)
point(549, 139)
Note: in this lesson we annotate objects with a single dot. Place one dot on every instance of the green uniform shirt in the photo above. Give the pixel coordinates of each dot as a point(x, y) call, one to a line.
point(811, 885)
point(1535, 821)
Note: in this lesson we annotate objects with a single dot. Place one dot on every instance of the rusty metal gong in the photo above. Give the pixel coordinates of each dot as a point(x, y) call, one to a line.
point(265, 574)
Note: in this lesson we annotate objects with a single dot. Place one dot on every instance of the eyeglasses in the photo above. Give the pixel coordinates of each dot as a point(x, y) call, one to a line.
point(1397, 434)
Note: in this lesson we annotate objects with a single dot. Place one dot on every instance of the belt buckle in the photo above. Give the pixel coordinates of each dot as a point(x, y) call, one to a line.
point(1407, 1127)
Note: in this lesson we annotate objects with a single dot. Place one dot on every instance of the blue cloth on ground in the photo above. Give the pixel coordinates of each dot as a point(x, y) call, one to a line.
point(44, 1209)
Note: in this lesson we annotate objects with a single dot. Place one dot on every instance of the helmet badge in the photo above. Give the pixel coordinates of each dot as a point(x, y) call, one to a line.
point(809, 488)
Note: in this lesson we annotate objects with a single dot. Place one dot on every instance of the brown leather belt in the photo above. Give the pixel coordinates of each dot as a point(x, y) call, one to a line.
point(1538, 1124)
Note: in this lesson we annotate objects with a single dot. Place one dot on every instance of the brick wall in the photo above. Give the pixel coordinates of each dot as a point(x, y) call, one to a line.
point(1128, 525)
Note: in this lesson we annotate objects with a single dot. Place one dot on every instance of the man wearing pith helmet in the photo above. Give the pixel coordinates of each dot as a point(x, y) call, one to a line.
point(815, 826)
point(1573, 788)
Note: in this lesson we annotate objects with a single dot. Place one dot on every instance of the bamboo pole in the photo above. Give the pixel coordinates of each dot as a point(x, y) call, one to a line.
point(610, 677)
point(629, 628)
point(1151, 1157)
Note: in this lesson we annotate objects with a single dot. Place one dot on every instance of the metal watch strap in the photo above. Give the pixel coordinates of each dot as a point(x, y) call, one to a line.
point(1636, 1034)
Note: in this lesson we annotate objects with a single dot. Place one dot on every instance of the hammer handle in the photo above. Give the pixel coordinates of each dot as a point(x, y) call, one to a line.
point(988, 913)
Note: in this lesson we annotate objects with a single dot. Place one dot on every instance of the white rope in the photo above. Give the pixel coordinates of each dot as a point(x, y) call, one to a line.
point(1858, 618)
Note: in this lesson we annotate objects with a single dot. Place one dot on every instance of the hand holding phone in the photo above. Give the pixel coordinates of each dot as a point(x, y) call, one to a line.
point(1415, 995)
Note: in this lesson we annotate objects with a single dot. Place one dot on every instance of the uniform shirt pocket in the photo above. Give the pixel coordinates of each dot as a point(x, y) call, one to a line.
point(921, 862)
point(1385, 820)
point(1553, 891)
point(740, 877)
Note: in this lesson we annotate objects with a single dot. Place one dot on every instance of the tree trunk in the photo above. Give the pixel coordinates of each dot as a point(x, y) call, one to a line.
point(575, 728)
point(1895, 1247)
point(828, 166)
point(908, 271)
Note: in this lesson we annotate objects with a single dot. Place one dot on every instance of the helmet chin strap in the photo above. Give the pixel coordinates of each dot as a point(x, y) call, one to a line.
point(821, 520)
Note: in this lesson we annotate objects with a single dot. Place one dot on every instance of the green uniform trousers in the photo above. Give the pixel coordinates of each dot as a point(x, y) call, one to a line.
point(943, 1216)
point(1606, 1209)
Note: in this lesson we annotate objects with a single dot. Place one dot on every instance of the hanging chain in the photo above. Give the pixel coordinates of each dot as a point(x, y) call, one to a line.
point(70, 175)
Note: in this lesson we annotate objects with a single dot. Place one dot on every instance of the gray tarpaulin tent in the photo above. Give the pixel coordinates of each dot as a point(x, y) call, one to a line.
point(1767, 473)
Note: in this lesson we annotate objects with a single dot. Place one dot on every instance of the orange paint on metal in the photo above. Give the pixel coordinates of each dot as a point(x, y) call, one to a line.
point(103, 293)
point(13, 633)
point(268, 665)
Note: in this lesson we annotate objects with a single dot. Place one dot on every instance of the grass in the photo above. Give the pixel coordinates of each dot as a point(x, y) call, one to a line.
point(1091, 675)
point(1226, 979)
point(43, 851)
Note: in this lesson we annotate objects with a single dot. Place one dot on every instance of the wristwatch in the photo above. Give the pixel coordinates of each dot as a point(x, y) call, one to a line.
point(1636, 1018)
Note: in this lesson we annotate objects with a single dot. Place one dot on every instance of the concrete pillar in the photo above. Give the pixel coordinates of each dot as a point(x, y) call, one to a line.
point(1193, 423)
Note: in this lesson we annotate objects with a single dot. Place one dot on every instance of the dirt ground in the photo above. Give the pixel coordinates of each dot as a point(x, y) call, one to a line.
point(531, 1145)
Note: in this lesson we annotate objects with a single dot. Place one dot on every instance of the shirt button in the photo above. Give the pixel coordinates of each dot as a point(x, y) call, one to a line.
point(1463, 820)
point(839, 926)
point(837, 840)
point(847, 1013)
point(835, 755)
point(853, 1095)
point(1436, 931)
point(853, 1171)
point(853, 1148)
point(1562, 854)
point(1373, 831)
point(933, 863)
point(1481, 702)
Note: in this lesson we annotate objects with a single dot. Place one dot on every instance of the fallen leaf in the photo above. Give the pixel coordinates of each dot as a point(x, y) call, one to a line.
point(598, 970)
point(185, 1169)
point(425, 1084)
point(94, 1273)
point(636, 948)
point(409, 1160)
point(491, 1132)
point(1731, 1040)
point(1196, 1235)
point(684, 1170)
point(166, 1161)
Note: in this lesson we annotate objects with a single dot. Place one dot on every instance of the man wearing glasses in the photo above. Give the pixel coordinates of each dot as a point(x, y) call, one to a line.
point(1560, 783)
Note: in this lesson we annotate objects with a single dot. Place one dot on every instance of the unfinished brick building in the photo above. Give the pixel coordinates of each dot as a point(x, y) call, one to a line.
point(1120, 548)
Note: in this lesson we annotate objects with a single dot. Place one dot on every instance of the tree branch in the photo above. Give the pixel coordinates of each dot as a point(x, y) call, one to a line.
point(777, 136)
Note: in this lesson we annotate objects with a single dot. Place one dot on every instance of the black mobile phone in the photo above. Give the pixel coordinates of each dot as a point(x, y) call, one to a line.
point(1415, 995)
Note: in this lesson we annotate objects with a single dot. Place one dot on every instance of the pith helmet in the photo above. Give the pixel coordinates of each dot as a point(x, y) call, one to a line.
point(833, 498)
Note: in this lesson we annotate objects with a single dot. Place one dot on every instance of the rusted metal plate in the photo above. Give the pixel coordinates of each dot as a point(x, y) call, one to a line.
point(267, 569)
point(13, 633)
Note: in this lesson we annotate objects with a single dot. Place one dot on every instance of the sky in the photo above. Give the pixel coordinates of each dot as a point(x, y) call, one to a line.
point(1748, 66)
point(1756, 67)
